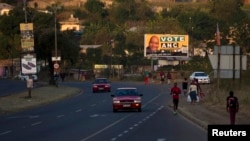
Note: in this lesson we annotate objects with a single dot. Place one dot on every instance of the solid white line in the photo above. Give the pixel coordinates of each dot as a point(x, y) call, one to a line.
point(6, 132)
point(107, 127)
point(151, 100)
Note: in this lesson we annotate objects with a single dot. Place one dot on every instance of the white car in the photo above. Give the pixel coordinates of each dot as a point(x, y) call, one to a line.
point(203, 78)
point(24, 77)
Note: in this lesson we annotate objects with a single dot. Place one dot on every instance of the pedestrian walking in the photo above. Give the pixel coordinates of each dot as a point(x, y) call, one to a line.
point(175, 92)
point(62, 74)
point(146, 77)
point(200, 94)
point(232, 106)
point(162, 75)
point(185, 86)
point(169, 77)
point(192, 91)
point(150, 77)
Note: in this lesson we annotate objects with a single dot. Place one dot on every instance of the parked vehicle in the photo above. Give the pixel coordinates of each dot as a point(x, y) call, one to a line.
point(127, 98)
point(202, 77)
point(24, 77)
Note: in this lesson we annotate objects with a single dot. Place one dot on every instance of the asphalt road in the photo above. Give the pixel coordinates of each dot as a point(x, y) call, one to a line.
point(89, 117)
point(9, 86)
point(13, 86)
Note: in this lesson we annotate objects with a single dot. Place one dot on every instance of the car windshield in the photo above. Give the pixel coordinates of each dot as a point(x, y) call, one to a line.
point(101, 81)
point(126, 92)
point(200, 74)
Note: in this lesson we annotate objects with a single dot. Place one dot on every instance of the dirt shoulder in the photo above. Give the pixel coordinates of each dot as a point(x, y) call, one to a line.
point(206, 113)
point(39, 96)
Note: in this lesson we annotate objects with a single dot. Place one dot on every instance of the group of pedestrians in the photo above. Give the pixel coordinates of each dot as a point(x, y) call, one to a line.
point(194, 90)
point(148, 77)
point(163, 76)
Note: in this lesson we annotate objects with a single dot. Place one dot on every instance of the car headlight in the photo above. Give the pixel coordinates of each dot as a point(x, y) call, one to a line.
point(116, 101)
point(137, 101)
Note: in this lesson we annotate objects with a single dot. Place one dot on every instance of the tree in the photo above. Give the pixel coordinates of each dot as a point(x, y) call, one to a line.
point(96, 10)
point(227, 11)
point(10, 33)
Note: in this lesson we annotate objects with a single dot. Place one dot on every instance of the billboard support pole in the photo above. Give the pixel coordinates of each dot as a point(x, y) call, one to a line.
point(152, 65)
point(233, 63)
point(218, 70)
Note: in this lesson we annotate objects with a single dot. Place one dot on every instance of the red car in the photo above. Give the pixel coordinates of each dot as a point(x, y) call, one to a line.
point(126, 98)
point(101, 84)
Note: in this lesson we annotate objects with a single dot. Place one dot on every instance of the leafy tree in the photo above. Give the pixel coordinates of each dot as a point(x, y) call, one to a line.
point(10, 33)
point(130, 10)
point(80, 13)
point(4, 45)
point(96, 10)
point(227, 11)
point(241, 35)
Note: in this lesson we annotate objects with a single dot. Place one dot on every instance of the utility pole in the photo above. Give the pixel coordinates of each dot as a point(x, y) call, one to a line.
point(219, 50)
point(25, 11)
point(112, 46)
point(55, 12)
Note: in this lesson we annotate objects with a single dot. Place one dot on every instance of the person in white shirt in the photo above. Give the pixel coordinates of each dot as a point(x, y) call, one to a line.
point(192, 90)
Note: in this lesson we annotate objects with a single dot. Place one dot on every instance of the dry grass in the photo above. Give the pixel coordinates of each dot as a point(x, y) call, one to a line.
point(39, 96)
point(217, 101)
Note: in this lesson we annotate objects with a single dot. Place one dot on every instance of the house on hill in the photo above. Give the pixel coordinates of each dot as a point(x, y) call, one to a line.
point(5, 8)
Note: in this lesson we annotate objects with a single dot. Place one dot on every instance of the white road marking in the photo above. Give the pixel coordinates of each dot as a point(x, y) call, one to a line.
point(36, 123)
point(95, 115)
point(161, 139)
point(60, 116)
point(92, 105)
point(79, 110)
point(6, 132)
point(35, 116)
point(107, 127)
point(137, 124)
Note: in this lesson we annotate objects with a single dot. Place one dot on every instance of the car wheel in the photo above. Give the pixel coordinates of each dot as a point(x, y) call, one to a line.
point(114, 110)
point(139, 110)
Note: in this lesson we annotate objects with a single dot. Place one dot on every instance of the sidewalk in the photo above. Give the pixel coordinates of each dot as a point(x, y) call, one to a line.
point(205, 115)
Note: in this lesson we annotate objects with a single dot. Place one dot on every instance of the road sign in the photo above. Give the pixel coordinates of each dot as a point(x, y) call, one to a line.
point(56, 58)
point(56, 66)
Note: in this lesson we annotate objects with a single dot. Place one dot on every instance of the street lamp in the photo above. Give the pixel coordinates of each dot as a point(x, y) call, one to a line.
point(24, 8)
point(55, 8)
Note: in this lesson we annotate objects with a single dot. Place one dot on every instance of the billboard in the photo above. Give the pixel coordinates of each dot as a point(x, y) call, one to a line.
point(28, 63)
point(27, 37)
point(165, 45)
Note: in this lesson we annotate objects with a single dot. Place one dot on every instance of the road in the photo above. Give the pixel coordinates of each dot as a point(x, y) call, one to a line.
point(12, 86)
point(8, 86)
point(89, 117)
